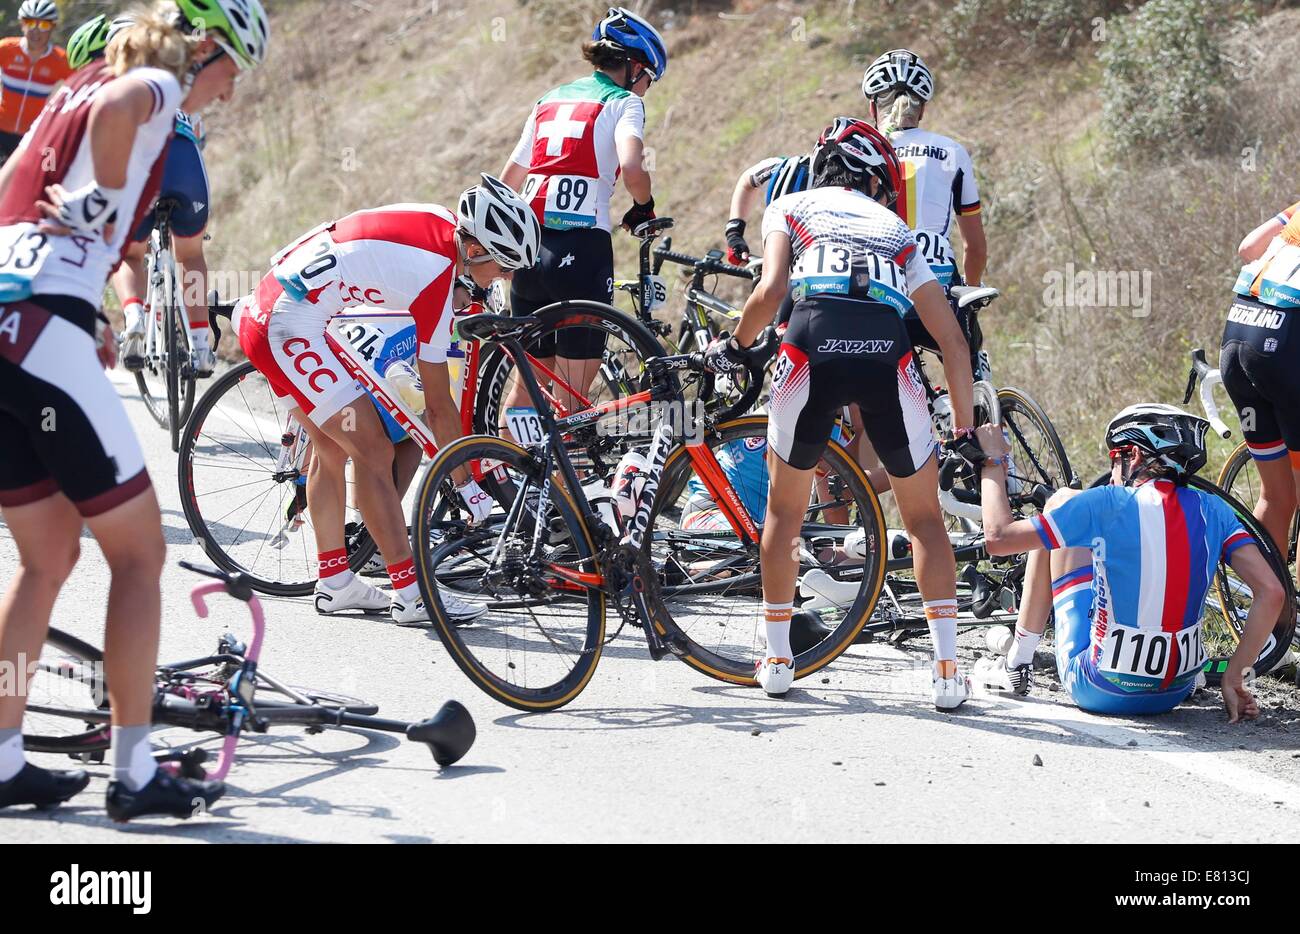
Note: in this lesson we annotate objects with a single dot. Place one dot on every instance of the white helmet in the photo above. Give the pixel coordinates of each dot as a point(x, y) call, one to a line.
point(39, 9)
point(494, 215)
point(900, 70)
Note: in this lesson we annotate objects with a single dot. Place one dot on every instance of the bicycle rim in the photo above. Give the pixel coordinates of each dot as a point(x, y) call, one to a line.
point(703, 585)
point(67, 700)
point(540, 639)
point(243, 517)
point(1037, 453)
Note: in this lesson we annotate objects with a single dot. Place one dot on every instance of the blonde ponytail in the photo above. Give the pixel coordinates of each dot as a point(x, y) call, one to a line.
point(904, 112)
point(152, 41)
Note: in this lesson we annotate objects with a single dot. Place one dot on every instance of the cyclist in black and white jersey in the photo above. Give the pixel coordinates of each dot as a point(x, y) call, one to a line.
point(855, 269)
point(769, 179)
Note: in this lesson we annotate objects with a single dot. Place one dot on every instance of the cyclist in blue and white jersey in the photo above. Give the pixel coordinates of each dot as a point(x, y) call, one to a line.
point(772, 177)
point(938, 180)
point(855, 268)
point(1126, 569)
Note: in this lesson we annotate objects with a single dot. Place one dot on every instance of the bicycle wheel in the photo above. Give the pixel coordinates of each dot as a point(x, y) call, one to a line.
point(67, 700)
point(703, 582)
point(1240, 478)
point(1037, 454)
point(247, 513)
point(1223, 629)
point(540, 640)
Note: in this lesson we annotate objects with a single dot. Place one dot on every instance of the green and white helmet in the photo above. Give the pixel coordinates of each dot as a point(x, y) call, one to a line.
point(88, 41)
point(240, 27)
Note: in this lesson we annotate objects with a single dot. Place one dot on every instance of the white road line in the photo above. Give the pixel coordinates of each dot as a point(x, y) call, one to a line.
point(1204, 764)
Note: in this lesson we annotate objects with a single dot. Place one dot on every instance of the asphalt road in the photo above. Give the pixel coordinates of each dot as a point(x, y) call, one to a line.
point(655, 751)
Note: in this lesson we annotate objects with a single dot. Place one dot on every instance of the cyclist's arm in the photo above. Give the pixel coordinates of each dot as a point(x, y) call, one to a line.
point(974, 248)
point(115, 117)
point(631, 158)
point(1257, 241)
point(514, 174)
point(745, 196)
point(1266, 603)
point(935, 313)
point(763, 302)
point(1003, 534)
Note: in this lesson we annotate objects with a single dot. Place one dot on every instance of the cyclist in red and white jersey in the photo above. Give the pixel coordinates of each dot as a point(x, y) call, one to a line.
point(88, 171)
point(855, 269)
point(403, 257)
point(578, 140)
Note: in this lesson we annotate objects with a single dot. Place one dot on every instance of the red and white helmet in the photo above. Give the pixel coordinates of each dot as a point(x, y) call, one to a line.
point(864, 151)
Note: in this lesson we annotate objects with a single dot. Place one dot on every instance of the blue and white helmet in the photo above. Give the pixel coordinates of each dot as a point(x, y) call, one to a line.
point(625, 31)
point(792, 175)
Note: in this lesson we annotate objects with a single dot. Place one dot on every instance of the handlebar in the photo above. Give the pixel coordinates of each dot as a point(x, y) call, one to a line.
point(1208, 377)
point(757, 355)
point(701, 264)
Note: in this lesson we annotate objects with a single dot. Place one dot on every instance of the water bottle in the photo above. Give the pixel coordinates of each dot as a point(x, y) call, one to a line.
point(629, 479)
point(406, 382)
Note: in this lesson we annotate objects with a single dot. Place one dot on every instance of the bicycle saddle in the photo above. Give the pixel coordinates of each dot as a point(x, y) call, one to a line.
point(973, 295)
point(485, 327)
point(652, 228)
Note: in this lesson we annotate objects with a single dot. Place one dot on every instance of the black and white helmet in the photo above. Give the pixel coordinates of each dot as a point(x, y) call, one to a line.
point(39, 9)
point(493, 214)
point(899, 70)
point(1164, 433)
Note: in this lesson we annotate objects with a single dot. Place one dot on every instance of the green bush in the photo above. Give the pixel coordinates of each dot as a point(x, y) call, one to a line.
point(1165, 82)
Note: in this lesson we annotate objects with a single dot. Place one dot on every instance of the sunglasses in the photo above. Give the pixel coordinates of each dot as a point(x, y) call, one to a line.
point(44, 25)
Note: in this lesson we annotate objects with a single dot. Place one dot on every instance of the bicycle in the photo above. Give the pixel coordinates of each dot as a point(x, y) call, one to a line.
point(545, 563)
point(242, 461)
point(226, 693)
point(166, 380)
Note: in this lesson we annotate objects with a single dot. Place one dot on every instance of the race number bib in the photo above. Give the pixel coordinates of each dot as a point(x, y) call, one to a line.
point(23, 251)
point(525, 425)
point(304, 269)
point(833, 270)
point(1131, 656)
point(654, 293)
point(937, 252)
point(1277, 273)
point(570, 200)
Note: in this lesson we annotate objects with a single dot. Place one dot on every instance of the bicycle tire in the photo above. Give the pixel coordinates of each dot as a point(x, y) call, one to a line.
point(204, 534)
point(1284, 629)
point(466, 645)
point(741, 671)
point(94, 736)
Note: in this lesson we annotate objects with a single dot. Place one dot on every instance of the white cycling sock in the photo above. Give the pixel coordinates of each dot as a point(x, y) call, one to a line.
point(1022, 650)
point(777, 624)
point(11, 753)
point(941, 617)
point(133, 310)
point(199, 336)
point(133, 762)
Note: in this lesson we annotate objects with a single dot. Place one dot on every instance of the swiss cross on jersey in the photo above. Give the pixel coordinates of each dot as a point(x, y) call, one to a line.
point(562, 185)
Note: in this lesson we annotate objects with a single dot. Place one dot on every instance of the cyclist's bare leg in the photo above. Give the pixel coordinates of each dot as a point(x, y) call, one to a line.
point(128, 279)
point(865, 454)
point(578, 374)
point(1279, 491)
point(787, 506)
point(935, 567)
point(48, 536)
point(131, 538)
point(194, 278)
point(326, 486)
point(406, 462)
point(358, 430)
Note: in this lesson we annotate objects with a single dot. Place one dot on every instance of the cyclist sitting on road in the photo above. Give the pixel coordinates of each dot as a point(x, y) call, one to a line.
point(855, 268)
point(185, 180)
point(68, 456)
point(938, 181)
point(576, 142)
point(399, 257)
point(1260, 364)
point(1129, 567)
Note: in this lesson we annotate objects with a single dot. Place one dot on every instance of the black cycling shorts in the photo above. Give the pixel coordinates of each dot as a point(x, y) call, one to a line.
point(185, 181)
point(62, 426)
point(1260, 363)
point(838, 352)
point(571, 264)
